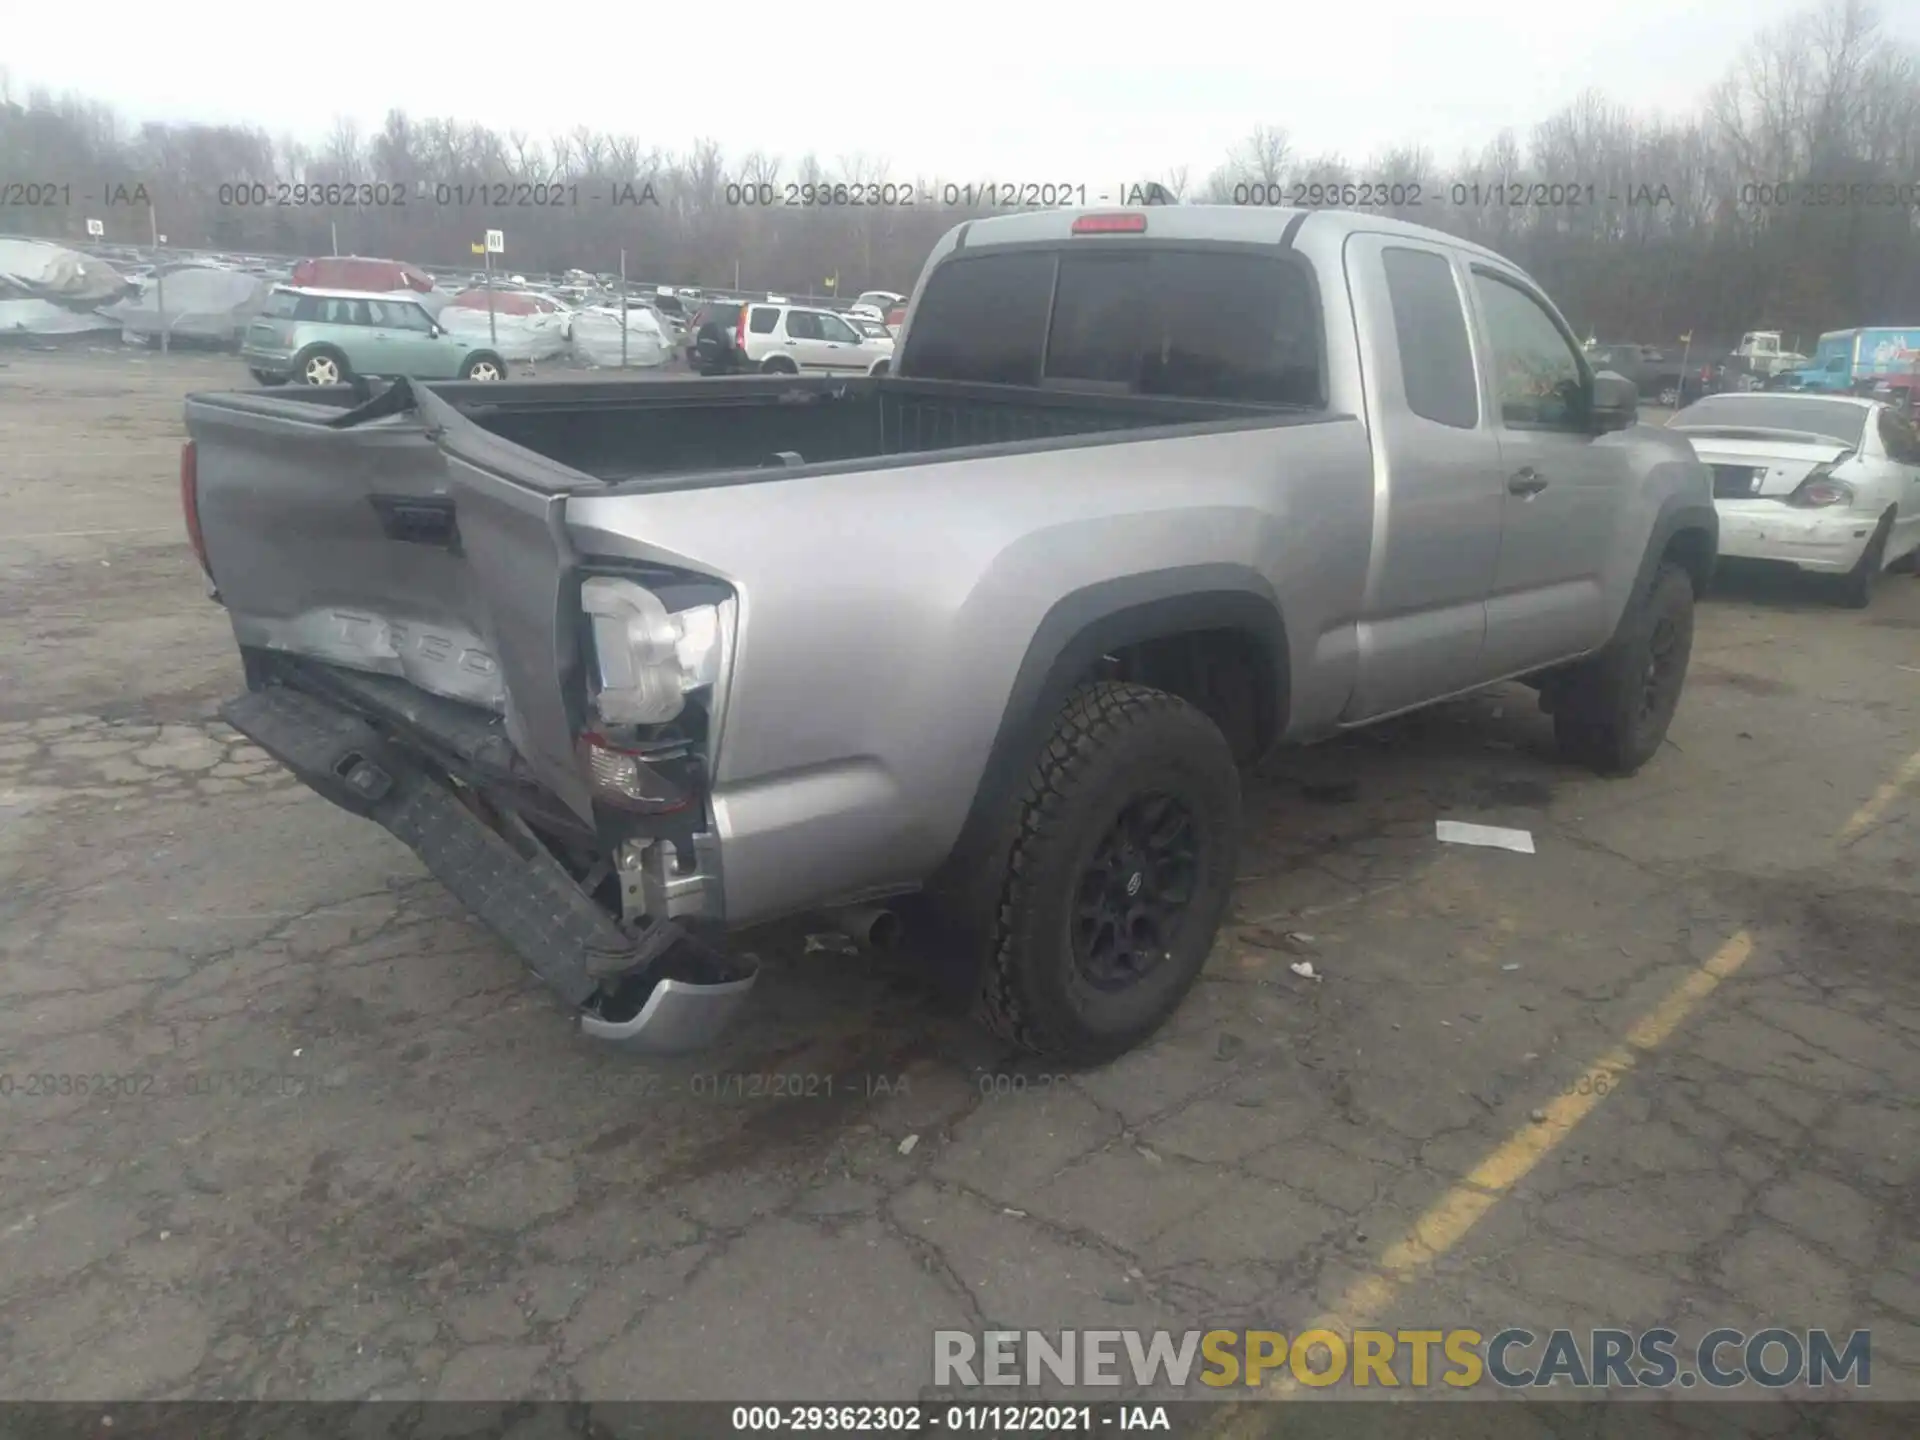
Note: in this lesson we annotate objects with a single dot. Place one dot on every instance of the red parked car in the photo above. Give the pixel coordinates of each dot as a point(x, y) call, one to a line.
point(358, 272)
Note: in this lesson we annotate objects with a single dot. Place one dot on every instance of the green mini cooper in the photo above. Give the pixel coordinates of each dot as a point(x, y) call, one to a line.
point(324, 337)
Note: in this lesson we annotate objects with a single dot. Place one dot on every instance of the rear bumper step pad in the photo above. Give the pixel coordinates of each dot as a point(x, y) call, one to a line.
point(529, 901)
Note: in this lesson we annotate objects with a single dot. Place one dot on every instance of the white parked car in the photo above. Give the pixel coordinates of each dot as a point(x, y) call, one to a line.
point(1829, 483)
point(789, 339)
point(881, 301)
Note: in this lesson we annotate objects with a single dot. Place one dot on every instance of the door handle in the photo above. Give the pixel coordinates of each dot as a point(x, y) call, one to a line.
point(418, 520)
point(1525, 481)
point(789, 342)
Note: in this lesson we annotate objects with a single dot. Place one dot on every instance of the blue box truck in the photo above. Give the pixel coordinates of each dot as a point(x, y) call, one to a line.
point(1846, 362)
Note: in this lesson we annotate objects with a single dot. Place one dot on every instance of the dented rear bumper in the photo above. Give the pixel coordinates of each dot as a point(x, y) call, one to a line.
point(655, 988)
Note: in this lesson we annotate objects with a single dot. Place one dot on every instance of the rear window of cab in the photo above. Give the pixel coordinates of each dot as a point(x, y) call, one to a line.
point(1198, 324)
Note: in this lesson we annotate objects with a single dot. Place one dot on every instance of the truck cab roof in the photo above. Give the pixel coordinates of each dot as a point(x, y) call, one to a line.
point(1244, 224)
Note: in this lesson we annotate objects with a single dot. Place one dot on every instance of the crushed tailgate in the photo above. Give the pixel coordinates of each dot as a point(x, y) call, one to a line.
point(394, 540)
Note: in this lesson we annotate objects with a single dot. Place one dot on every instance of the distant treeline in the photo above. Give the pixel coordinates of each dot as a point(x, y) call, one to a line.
point(1791, 202)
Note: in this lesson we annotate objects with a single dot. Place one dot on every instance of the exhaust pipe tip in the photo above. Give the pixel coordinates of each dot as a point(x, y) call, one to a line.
point(871, 927)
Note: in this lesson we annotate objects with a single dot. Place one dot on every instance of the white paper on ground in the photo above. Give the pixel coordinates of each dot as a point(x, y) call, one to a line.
point(1459, 832)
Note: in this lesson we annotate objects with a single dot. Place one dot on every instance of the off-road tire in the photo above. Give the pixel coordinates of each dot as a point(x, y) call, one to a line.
point(1856, 587)
point(1601, 710)
point(1111, 745)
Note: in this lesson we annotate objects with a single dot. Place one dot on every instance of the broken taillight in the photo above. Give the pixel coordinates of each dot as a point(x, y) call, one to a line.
point(623, 778)
point(190, 503)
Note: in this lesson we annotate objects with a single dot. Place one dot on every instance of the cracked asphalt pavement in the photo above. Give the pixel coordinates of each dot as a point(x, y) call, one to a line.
point(348, 1148)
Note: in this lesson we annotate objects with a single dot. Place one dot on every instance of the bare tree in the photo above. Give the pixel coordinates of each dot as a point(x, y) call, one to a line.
point(1643, 228)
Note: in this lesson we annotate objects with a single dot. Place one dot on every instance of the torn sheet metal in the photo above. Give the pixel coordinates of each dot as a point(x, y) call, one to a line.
point(1497, 837)
point(41, 270)
point(596, 337)
point(525, 327)
point(42, 317)
point(204, 303)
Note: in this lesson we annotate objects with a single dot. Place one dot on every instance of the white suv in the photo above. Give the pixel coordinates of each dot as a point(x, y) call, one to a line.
point(790, 339)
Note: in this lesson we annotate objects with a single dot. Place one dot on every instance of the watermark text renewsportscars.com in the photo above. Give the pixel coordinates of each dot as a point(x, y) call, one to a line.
point(1511, 1358)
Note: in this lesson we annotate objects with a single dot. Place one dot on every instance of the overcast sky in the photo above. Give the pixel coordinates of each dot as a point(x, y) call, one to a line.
point(981, 90)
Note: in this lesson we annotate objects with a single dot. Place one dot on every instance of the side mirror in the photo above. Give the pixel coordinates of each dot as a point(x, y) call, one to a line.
point(1616, 403)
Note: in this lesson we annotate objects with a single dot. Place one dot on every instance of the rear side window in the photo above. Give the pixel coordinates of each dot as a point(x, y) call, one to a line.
point(1436, 361)
point(803, 325)
point(1898, 436)
point(281, 305)
point(761, 320)
point(335, 311)
point(983, 320)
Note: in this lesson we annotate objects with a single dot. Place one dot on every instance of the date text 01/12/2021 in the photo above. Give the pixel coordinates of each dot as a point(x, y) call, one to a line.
point(757, 194)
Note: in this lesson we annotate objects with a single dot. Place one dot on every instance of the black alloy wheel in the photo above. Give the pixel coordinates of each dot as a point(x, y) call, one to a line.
point(1666, 672)
point(1135, 892)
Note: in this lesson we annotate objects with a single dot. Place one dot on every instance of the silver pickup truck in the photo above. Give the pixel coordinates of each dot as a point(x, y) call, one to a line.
point(975, 647)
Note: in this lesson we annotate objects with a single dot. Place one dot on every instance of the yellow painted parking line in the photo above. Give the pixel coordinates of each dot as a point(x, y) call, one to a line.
point(1448, 1220)
point(1883, 797)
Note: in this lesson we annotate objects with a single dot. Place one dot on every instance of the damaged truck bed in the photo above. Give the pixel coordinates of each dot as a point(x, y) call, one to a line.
point(388, 585)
